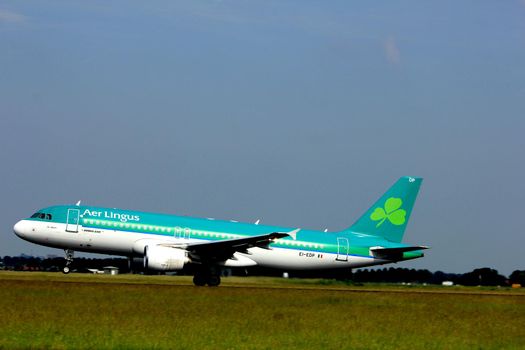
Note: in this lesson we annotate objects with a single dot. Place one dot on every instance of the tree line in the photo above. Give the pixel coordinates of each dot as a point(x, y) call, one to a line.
point(478, 277)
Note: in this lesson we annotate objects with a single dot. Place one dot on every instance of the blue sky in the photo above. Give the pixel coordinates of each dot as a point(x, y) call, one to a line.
point(300, 113)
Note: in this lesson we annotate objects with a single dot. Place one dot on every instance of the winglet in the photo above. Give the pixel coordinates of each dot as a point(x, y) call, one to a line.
point(78, 203)
point(293, 233)
point(257, 222)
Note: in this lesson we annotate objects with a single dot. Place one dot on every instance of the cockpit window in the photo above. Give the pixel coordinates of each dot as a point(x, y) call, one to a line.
point(42, 216)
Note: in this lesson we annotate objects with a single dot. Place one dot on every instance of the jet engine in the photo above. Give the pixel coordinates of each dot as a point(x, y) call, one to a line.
point(164, 258)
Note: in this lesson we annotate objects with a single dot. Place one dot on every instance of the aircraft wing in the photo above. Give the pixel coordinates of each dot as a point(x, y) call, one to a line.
point(223, 250)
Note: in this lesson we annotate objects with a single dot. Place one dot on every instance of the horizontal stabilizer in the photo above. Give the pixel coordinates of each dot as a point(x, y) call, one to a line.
point(393, 253)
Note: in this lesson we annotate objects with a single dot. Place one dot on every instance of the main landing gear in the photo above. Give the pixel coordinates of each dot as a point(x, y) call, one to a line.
point(69, 260)
point(207, 275)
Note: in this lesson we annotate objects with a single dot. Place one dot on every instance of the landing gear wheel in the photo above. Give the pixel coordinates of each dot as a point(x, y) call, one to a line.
point(69, 260)
point(199, 280)
point(214, 280)
point(207, 275)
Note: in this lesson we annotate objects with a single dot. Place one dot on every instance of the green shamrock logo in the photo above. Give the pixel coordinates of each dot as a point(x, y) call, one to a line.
point(391, 212)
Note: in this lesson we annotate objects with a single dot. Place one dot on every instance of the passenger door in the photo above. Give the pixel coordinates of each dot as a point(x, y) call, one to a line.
point(342, 249)
point(73, 216)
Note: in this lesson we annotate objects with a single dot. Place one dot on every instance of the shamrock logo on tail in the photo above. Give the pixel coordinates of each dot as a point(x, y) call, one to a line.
point(391, 212)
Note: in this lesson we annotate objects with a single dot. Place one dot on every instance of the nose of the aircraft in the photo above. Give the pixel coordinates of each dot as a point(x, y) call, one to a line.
point(19, 228)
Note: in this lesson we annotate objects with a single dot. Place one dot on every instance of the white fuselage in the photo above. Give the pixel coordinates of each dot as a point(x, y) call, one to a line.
point(125, 243)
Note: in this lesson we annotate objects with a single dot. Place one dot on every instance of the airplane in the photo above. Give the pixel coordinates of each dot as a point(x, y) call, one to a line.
point(169, 242)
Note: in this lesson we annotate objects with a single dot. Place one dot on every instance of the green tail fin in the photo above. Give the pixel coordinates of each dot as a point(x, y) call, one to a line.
point(388, 217)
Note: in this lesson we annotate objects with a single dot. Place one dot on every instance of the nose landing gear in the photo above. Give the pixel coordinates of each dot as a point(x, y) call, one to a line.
point(69, 260)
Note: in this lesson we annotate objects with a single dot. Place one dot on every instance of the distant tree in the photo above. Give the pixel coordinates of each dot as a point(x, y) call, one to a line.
point(439, 277)
point(483, 277)
point(517, 276)
point(423, 276)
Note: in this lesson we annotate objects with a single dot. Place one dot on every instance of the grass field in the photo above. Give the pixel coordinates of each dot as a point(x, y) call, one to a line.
point(51, 310)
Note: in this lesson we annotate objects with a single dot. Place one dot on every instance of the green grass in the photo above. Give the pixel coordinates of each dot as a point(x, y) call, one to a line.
point(51, 310)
